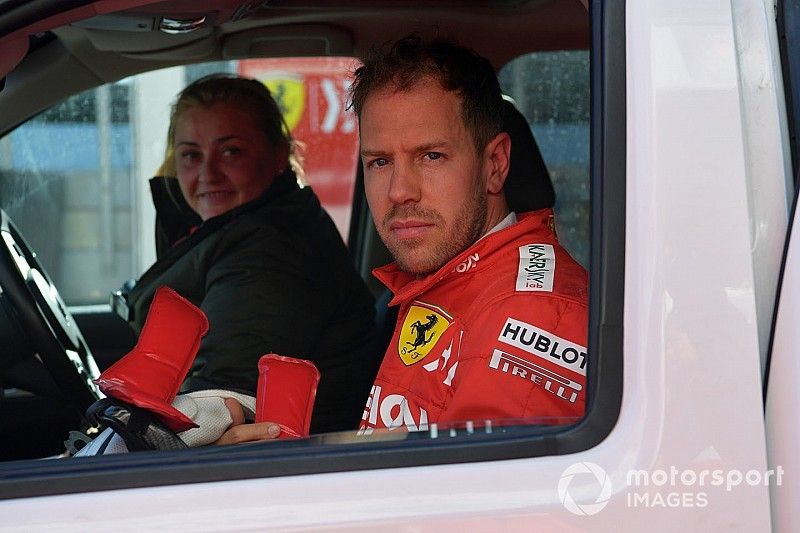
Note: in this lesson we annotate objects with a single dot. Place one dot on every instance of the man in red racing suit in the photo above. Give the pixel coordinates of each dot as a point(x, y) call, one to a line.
point(498, 333)
point(492, 310)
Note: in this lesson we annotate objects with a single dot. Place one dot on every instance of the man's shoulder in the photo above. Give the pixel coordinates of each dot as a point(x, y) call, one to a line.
point(534, 267)
point(537, 297)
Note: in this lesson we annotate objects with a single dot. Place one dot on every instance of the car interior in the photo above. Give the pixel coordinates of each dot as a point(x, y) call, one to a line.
point(52, 345)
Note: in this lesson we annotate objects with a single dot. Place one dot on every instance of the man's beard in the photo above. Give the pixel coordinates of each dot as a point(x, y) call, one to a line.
point(466, 229)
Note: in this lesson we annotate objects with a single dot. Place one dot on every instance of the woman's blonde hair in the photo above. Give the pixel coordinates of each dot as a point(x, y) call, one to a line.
point(246, 93)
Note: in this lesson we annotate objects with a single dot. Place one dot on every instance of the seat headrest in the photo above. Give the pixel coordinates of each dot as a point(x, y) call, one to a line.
point(528, 186)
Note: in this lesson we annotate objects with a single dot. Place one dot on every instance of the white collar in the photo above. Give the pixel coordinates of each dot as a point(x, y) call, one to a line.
point(510, 219)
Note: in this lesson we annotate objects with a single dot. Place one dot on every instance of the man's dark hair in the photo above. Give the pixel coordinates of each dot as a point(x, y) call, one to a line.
point(401, 65)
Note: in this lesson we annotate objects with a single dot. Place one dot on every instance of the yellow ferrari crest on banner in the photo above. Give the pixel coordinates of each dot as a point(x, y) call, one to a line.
point(422, 327)
point(290, 93)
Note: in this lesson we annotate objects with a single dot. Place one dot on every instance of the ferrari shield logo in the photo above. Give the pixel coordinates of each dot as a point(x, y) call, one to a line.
point(422, 328)
point(290, 93)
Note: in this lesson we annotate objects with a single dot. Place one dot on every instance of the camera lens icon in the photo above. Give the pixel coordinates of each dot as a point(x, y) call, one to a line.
point(567, 490)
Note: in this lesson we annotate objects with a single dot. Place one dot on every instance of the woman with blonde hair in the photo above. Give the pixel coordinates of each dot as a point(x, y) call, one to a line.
point(239, 238)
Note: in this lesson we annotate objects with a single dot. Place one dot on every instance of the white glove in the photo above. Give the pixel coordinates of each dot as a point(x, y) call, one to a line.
point(207, 409)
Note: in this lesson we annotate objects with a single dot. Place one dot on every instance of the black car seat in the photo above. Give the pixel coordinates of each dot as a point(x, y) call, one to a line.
point(528, 186)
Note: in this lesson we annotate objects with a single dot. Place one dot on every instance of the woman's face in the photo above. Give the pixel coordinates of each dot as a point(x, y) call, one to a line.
point(223, 159)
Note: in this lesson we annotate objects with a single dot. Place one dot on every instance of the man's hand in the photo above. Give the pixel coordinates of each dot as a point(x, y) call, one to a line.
point(240, 432)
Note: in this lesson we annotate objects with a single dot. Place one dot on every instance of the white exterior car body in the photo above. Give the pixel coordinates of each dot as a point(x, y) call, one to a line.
point(707, 202)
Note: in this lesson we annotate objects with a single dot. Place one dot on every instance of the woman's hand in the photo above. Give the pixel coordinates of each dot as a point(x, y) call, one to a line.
point(240, 432)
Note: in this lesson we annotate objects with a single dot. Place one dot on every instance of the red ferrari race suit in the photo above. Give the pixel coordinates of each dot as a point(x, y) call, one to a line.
point(498, 334)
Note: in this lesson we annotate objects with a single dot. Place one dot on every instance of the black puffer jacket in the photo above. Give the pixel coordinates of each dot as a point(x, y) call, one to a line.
point(272, 275)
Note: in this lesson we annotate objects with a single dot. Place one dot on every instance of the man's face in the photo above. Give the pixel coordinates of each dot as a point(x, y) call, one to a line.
point(424, 179)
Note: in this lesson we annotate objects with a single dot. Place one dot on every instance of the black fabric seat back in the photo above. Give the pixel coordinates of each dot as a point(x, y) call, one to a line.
point(528, 186)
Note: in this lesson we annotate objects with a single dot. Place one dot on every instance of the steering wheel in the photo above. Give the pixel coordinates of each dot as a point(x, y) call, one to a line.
point(41, 313)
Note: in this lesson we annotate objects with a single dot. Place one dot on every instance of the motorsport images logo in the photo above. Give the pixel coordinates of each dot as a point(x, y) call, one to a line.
point(665, 487)
point(603, 489)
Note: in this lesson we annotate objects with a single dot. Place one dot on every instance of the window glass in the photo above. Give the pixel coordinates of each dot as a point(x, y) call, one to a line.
point(66, 182)
point(552, 90)
point(312, 93)
point(74, 178)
